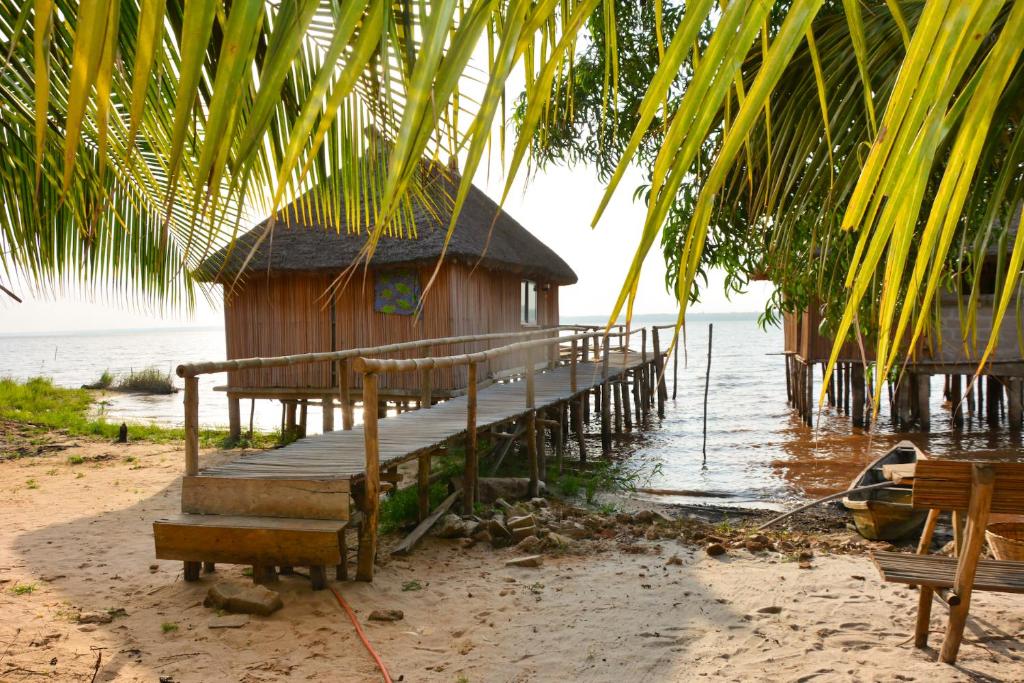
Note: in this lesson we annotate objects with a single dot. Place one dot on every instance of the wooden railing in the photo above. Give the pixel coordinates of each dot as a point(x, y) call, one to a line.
point(190, 373)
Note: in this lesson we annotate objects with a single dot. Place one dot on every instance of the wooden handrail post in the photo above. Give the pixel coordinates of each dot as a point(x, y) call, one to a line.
point(344, 395)
point(586, 349)
point(606, 410)
point(469, 483)
point(531, 427)
point(191, 426)
point(643, 345)
point(572, 369)
point(371, 485)
point(426, 388)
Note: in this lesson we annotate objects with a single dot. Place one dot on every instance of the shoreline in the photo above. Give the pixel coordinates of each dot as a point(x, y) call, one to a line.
point(634, 603)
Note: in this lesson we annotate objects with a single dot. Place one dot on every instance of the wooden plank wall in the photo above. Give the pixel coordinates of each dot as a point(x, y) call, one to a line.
point(801, 334)
point(286, 314)
point(276, 316)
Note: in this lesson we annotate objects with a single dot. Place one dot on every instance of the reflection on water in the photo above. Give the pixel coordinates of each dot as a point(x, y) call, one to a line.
point(758, 451)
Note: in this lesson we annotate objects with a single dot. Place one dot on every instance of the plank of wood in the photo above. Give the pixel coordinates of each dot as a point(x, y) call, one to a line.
point(946, 485)
point(295, 498)
point(410, 541)
point(899, 472)
point(247, 540)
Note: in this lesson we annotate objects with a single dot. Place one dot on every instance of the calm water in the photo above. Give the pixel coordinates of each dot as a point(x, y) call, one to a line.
point(758, 451)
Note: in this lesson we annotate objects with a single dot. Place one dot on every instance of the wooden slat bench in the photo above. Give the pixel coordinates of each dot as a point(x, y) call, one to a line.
point(980, 488)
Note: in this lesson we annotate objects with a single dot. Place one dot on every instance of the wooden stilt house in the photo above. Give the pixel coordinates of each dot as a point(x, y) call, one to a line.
point(946, 351)
point(282, 294)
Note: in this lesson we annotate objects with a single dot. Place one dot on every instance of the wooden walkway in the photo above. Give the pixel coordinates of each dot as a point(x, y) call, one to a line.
point(402, 437)
point(291, 506)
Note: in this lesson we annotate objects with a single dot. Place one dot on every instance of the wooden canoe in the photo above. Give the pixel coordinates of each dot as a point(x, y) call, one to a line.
point(885, 514)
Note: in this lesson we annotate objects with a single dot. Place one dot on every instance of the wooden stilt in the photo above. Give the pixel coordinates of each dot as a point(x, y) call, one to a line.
point(341, 571)
point(371, 485)
point(627, 416)
point(263, 574)
point(789, 383)
point(924, 406)
point(290, 422)
point(209, 567)
point(559, 436)
point(606, 434)
point(531, 426)
point(957, 394)
point(580, 435)
point(659, 371)
point(303, 415)
point(318, 577)
point(994, 390)
point(423, 487)
point(857, 394)
point(328, 417)
point(234, 418)
point(617, 399)
point(1013, 403)
point(344, 397)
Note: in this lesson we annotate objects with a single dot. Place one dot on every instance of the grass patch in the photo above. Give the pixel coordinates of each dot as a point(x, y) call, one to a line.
point(399, 510)
point(75, 460)
point(31, 484)
point(148, 381)
point(38, 402)
point(23, 588)
point(104, 382)
point(168, 627)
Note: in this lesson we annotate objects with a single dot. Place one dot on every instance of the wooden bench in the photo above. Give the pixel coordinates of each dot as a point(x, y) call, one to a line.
point(979, 488)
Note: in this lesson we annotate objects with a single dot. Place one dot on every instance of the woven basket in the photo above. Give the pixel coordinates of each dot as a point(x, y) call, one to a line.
point(1006, 539)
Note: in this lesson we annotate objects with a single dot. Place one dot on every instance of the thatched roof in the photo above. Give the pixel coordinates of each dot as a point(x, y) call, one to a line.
point(301, 243)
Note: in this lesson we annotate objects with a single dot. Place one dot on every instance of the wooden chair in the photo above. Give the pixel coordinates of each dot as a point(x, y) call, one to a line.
point(980, 488)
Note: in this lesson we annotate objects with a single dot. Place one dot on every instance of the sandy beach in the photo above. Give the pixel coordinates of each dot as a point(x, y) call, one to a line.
point(76, 539)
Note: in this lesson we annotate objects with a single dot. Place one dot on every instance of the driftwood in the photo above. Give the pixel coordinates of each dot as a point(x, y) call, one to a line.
point(407, 544)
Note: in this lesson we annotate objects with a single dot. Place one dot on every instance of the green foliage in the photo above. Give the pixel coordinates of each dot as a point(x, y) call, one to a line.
point(168, 627)
point(23, 588)
point(40, 403)
point(31, 484)
point(399, 510)
point(413, 585)
point(75, 460)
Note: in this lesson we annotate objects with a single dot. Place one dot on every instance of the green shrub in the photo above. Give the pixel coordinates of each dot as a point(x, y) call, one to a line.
point(148, 381)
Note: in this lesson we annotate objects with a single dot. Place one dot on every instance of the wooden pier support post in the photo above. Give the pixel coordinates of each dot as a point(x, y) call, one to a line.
point(924, 406)
point(327, 403)
point(636, 393)
point(617, 398)
point(585, 396)
point(980, 384)
point(423, 486)
point(606, 434)
point(1014, 413)
point(956, 394)
point(531, 426)
point(371, 485)
point(659, 369)
point(469, 482)
point(191, 426)
point(234, 418)
point(572, 369)
point(303, 415)
point(291, 423)
point(789, 383)
point(857, 394)
point(994, 390)
point(623, 385)
point(578, 428)
point(970, 403)
point(344, 395)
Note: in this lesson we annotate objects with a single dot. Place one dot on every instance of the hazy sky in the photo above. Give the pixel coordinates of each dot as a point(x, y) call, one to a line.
point(556, 206)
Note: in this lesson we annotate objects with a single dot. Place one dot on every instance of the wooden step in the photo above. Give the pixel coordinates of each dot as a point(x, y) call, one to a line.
point(266, 497)
point(235, 539)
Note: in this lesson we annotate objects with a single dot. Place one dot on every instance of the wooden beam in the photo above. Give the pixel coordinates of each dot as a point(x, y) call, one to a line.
point(371, 484)
point(659, 368)
point(531, 426)
point(191, 426)
point(409, 542)
point(572, 368)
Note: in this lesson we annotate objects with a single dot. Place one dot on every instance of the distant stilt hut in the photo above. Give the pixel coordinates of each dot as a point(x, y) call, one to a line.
point(947, 351)
point(285, 294)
